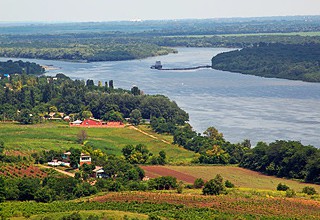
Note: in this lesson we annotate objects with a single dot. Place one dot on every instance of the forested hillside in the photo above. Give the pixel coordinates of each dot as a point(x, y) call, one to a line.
point(288, 61)
point(20, 67)
point(28, 99)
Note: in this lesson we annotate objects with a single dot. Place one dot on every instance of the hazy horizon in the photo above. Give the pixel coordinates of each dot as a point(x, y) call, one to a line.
point(18, 11)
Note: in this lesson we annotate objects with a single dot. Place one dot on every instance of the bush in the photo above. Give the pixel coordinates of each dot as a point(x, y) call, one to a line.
point(198, 183)
point(290, 193)
point(309, 190)
point(214, 186)
point(180, 187)
point(163, 182)
point(228, 184)
point(282, 187)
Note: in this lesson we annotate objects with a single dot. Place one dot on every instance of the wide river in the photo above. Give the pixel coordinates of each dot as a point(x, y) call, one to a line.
point(240, 106)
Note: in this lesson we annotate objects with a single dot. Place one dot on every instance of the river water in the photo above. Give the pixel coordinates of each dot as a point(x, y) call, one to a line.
point(240, 106)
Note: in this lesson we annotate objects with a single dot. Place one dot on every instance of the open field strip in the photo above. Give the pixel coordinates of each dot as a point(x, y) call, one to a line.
point(26, 139)
point(241, 177)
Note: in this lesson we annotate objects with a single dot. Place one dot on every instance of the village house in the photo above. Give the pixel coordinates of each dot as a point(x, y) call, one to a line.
point(98, 172)
point(85, 159)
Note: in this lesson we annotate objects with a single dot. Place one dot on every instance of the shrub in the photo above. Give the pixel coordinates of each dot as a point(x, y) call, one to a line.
point(198, 183)
point(309, 190)
point(282, 187)
point(228, 184)
point(214, 186)
point(290, 193)
point(180, 187)
point(163, 182)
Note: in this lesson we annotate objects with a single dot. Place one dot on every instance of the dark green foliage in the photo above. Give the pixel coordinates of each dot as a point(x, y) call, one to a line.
point(28, 188)
point(289, 61)
point(288, 159)
point(160, 159)
point(74, 157)
point(198, 183)
point(136, 155)
point(20, 67)
point(34, 97)
point(113, 116)
point(25, 117)
point(2, 189)
point(1, 147)
point(214, 186)
point(164, 182)
point(309, 190)
point(282, 187)
point(212, 147)
point(228, 184)
point(117, 168)
point(135, 117)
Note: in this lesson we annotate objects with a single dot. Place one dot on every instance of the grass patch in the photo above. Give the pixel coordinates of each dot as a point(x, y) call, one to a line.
point(59, 136)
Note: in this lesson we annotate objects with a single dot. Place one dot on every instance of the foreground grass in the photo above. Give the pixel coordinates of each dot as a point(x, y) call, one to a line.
point(25, 139)
point(170, 205)
point(101, 214)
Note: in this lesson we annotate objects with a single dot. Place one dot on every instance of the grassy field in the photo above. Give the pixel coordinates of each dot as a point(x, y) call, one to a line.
point(241, 177)
point(25, 139)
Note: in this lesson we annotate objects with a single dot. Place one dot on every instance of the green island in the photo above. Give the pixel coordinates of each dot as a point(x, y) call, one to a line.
point(146, 162)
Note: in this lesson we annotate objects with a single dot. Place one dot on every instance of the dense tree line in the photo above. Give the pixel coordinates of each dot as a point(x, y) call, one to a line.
point(88, 50)
point(288, 159)
point(173, 27)
point(211, 147)
point(20, 67)
point(289, 61)
point(109, 41)
point(29, 99)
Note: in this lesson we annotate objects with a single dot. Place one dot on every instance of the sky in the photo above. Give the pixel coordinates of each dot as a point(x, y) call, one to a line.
point(111, 10)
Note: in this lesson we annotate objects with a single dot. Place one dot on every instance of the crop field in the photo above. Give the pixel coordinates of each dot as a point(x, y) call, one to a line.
point(21, 170)
point(241, 177)
point(236, 204)
point(101, 214)
point(25, 139)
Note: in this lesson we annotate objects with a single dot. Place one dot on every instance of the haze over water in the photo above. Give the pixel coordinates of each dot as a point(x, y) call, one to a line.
point(240, 106)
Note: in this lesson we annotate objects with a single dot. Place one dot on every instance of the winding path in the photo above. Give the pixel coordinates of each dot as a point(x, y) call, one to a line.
point(149, 135)
point(60, 171)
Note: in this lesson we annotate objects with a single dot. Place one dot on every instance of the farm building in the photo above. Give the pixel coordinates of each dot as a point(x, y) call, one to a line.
point(92, 122)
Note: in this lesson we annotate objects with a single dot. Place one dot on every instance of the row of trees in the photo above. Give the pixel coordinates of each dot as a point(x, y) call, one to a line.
point(211, 147)
point(288, 159)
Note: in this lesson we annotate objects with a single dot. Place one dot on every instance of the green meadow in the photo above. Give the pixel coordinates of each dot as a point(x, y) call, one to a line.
point(59, 136)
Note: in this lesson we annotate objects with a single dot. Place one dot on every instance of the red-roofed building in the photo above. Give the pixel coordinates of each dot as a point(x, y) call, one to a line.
point(92, 122)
